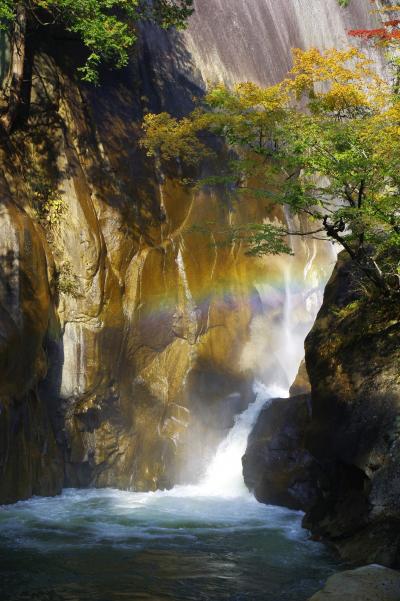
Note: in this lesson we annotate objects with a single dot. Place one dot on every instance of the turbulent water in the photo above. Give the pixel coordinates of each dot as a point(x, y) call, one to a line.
point(208, 542)
point(109, 545)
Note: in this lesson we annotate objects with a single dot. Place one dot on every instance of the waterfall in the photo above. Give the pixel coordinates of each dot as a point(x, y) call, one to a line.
point(275, 351)
point(224, 475)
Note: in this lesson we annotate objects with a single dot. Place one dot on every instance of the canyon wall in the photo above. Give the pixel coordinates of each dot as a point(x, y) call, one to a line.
point(122, 325)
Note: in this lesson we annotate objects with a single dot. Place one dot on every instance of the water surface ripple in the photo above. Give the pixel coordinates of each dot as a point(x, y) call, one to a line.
point(110, 545)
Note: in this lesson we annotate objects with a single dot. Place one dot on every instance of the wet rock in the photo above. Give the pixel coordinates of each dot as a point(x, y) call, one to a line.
point(369, 583)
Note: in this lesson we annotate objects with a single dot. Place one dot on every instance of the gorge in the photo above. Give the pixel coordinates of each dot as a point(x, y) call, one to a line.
point(137, 349)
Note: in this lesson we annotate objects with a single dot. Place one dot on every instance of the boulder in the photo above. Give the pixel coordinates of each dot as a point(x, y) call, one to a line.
point(369, 583)
point(276, 466)
point(353, 361)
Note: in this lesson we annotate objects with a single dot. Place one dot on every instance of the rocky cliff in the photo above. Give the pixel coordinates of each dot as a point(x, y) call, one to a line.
point(116, 315)
point(128, 337)
point(345, 446)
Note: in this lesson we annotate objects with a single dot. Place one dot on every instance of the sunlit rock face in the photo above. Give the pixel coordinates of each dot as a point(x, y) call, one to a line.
point(368, 582)
point(234, 41)
point(129, 337)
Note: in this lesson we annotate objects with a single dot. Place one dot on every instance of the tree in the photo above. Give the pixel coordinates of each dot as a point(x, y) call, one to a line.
point(106, 27)
point(324, 142)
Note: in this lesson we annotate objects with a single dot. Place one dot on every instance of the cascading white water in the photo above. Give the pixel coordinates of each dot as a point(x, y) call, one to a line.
point(224, 475)
point(275, 366)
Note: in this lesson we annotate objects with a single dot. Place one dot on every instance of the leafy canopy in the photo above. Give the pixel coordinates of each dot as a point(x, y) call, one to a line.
point(106, 27)
point(324, 142)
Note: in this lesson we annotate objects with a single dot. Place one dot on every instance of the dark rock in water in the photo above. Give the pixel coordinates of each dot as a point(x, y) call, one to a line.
point(277, 466)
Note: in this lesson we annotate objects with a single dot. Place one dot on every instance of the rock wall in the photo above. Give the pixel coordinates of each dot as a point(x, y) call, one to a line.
point(256, 44)
point(132, 317)
point(122, 326)
point(30, 462)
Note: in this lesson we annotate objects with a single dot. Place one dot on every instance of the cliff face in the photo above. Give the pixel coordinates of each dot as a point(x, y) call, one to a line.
point(116, 312)
point(123, 328)
point(30, 462)
point(256, 46)
point(345, 454)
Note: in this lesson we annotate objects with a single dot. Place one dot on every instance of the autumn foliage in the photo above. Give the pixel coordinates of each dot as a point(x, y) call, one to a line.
point(324, 142)
point(387, 34)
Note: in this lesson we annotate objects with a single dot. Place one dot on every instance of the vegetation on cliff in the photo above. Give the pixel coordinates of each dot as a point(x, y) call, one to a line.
point(324, 142)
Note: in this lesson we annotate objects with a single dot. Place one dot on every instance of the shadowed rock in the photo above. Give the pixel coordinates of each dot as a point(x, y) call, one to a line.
point(276, 466)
